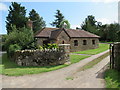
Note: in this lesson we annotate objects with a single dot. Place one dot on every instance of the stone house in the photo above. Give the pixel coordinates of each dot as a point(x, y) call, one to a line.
point(78, 39)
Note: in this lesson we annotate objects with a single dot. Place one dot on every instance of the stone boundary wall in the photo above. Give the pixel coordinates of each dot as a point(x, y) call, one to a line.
point(42, 57)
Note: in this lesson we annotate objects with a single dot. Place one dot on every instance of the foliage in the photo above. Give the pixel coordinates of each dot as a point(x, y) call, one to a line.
point(50, 46)
point(40, 47)
point(23, 37)
point(16, 16)
point(102, 48)
point(59, 18)
point(2, 43)
point(13, 48)
point(38, 22)
point(112, 78)
point(12, 69)
point(65, 24)
point(107, 32)
point(89, 24)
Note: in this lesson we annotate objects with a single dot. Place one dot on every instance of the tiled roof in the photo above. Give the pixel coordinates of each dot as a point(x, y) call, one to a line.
point(54, 32)
point(45, 32)
point(80, 33)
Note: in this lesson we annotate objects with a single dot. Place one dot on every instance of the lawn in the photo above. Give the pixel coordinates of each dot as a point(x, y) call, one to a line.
point(102, 48)
point(11, 69)
point(112, 78)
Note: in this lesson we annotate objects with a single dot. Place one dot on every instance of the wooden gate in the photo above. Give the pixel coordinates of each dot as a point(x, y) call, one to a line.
point(115, 56)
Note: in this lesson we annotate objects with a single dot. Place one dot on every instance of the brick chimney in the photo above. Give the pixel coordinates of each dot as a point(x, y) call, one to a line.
point(29, 24)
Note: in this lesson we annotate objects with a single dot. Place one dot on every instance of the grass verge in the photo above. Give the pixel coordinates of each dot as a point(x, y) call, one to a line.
point(94, 62)
point(10, 68)
point(112, 78)
point(102, 48)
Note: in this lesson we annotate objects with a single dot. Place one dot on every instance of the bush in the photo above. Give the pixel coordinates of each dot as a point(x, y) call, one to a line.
point(22, 37)
point(12, 49)
point(50, 46)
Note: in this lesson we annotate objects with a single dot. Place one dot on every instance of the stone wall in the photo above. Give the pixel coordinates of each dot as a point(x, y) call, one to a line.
point(43, 57)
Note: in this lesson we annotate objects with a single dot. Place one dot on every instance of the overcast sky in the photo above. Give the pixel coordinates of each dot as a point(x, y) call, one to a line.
point(75, 11)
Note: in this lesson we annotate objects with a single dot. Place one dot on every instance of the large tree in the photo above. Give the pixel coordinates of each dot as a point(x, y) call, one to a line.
point(38, 22)
point(89, 24)
point(16, 16)
point(59, 18)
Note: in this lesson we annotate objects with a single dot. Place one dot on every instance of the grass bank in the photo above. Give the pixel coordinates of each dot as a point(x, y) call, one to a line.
point(102, 48)
point(94, 62)
point(10, 68)
point(112, 78)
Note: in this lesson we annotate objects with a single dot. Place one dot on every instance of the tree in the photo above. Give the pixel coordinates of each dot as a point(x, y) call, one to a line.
point(65, 24)
point(59, 18)
point(16, 16)
point(89, 24)
point(22, 38)
point(38, 22)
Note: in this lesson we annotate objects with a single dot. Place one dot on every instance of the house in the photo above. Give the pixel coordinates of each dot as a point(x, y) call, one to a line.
point(78, 39)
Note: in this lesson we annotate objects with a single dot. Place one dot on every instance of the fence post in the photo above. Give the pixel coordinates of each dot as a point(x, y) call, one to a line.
point(66, 49)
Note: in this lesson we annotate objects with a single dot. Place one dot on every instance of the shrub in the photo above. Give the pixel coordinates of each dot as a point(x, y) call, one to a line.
point(22, 37)
point(12, 49)
point(50, 46)
point(40, 47)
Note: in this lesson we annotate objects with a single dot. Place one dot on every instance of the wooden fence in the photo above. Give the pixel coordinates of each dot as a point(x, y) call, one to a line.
point(115, 56)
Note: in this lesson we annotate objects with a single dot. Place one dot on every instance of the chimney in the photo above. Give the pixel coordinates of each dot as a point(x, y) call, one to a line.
point(29, 24)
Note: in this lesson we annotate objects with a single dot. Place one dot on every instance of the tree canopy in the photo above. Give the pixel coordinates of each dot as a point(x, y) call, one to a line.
point(38, 22)
point(16, 16)
point(59, 18)
point(89, 24)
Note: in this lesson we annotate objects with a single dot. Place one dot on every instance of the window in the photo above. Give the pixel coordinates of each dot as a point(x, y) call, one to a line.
point(63, 42)
point(84, 42)
point(75, 42)
point(93, 42)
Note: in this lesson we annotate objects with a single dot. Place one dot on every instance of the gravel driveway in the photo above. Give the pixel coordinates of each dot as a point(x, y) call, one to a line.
point(91, 78)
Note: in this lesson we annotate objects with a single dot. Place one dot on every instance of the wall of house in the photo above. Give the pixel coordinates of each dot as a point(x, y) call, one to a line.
point(40, 41)
point(63, 37)
point(82, 47)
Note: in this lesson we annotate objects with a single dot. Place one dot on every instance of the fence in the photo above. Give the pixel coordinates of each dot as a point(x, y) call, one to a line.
point(115, 56)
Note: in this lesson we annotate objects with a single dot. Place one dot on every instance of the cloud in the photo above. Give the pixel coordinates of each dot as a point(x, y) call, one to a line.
point(3, 7)
point(105, 20)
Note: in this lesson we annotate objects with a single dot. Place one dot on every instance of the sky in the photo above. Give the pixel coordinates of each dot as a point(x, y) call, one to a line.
point(75, 11)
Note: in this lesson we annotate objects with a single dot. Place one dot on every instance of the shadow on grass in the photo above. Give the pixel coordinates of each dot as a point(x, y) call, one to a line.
point(8, 63)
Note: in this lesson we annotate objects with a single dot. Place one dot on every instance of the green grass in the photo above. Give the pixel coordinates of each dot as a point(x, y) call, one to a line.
point(94, 62)
point(112, 78)
point(11, 69)
point(77, 58)
point(69, 78)
point(106, 42)
point(102, 48)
